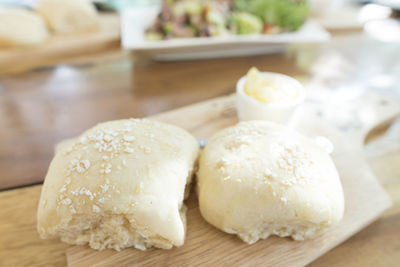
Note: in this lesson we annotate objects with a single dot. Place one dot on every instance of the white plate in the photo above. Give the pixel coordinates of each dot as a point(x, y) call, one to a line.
point(135, 21)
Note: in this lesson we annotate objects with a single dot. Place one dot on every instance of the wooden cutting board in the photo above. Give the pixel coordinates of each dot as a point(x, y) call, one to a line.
point(207, 246)
point(60, 48)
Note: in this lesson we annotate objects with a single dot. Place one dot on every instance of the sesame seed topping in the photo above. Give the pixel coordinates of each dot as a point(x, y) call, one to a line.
point(78, 165)
point(139, 188)
point(104, 188)
point(72, 209)
point(96, 208)
point(66, 201)
point(63, 189)
point(128, 150)
point(99, 136)
point(86, 192)
point(105, 168)
point(107, 138)
point(111, 146)
point(292, 161)
point(129, 138)
point(227, 178)
point(83, 140)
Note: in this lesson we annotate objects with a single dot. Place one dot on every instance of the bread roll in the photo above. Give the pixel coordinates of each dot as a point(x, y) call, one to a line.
point(20, 27)
point(258, 179)
point(120, 184)
point(69, 16)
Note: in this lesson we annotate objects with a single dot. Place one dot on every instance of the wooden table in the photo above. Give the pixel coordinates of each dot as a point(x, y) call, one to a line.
point(42, 107)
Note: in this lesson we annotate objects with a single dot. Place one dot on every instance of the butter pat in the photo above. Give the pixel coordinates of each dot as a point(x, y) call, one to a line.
point(269, 88)
point(268, 96)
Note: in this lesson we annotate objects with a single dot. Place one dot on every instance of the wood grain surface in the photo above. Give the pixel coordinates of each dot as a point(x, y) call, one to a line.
point(207, 246)
point(39, 109)
point(20, 244)
point(42, 107)
point(19, 235)
point(61, 48)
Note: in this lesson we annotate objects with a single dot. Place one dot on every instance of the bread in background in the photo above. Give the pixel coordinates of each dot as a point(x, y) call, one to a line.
point(69, 16)
point(21, 27)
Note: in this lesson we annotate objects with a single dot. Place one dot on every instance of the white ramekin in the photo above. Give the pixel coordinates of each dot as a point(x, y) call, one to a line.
point(249, 108)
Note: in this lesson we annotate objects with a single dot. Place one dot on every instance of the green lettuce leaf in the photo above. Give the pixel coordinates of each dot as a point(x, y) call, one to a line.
point(287, 14)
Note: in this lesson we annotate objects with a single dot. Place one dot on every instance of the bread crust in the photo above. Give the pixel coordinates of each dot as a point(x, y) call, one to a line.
point(258, 179)
point(120, 184)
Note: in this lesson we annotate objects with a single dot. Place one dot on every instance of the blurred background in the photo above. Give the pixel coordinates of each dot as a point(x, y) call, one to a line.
point(66, 65)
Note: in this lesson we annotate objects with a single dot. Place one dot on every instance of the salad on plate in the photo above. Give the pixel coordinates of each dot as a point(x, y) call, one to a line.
point(205, 18)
